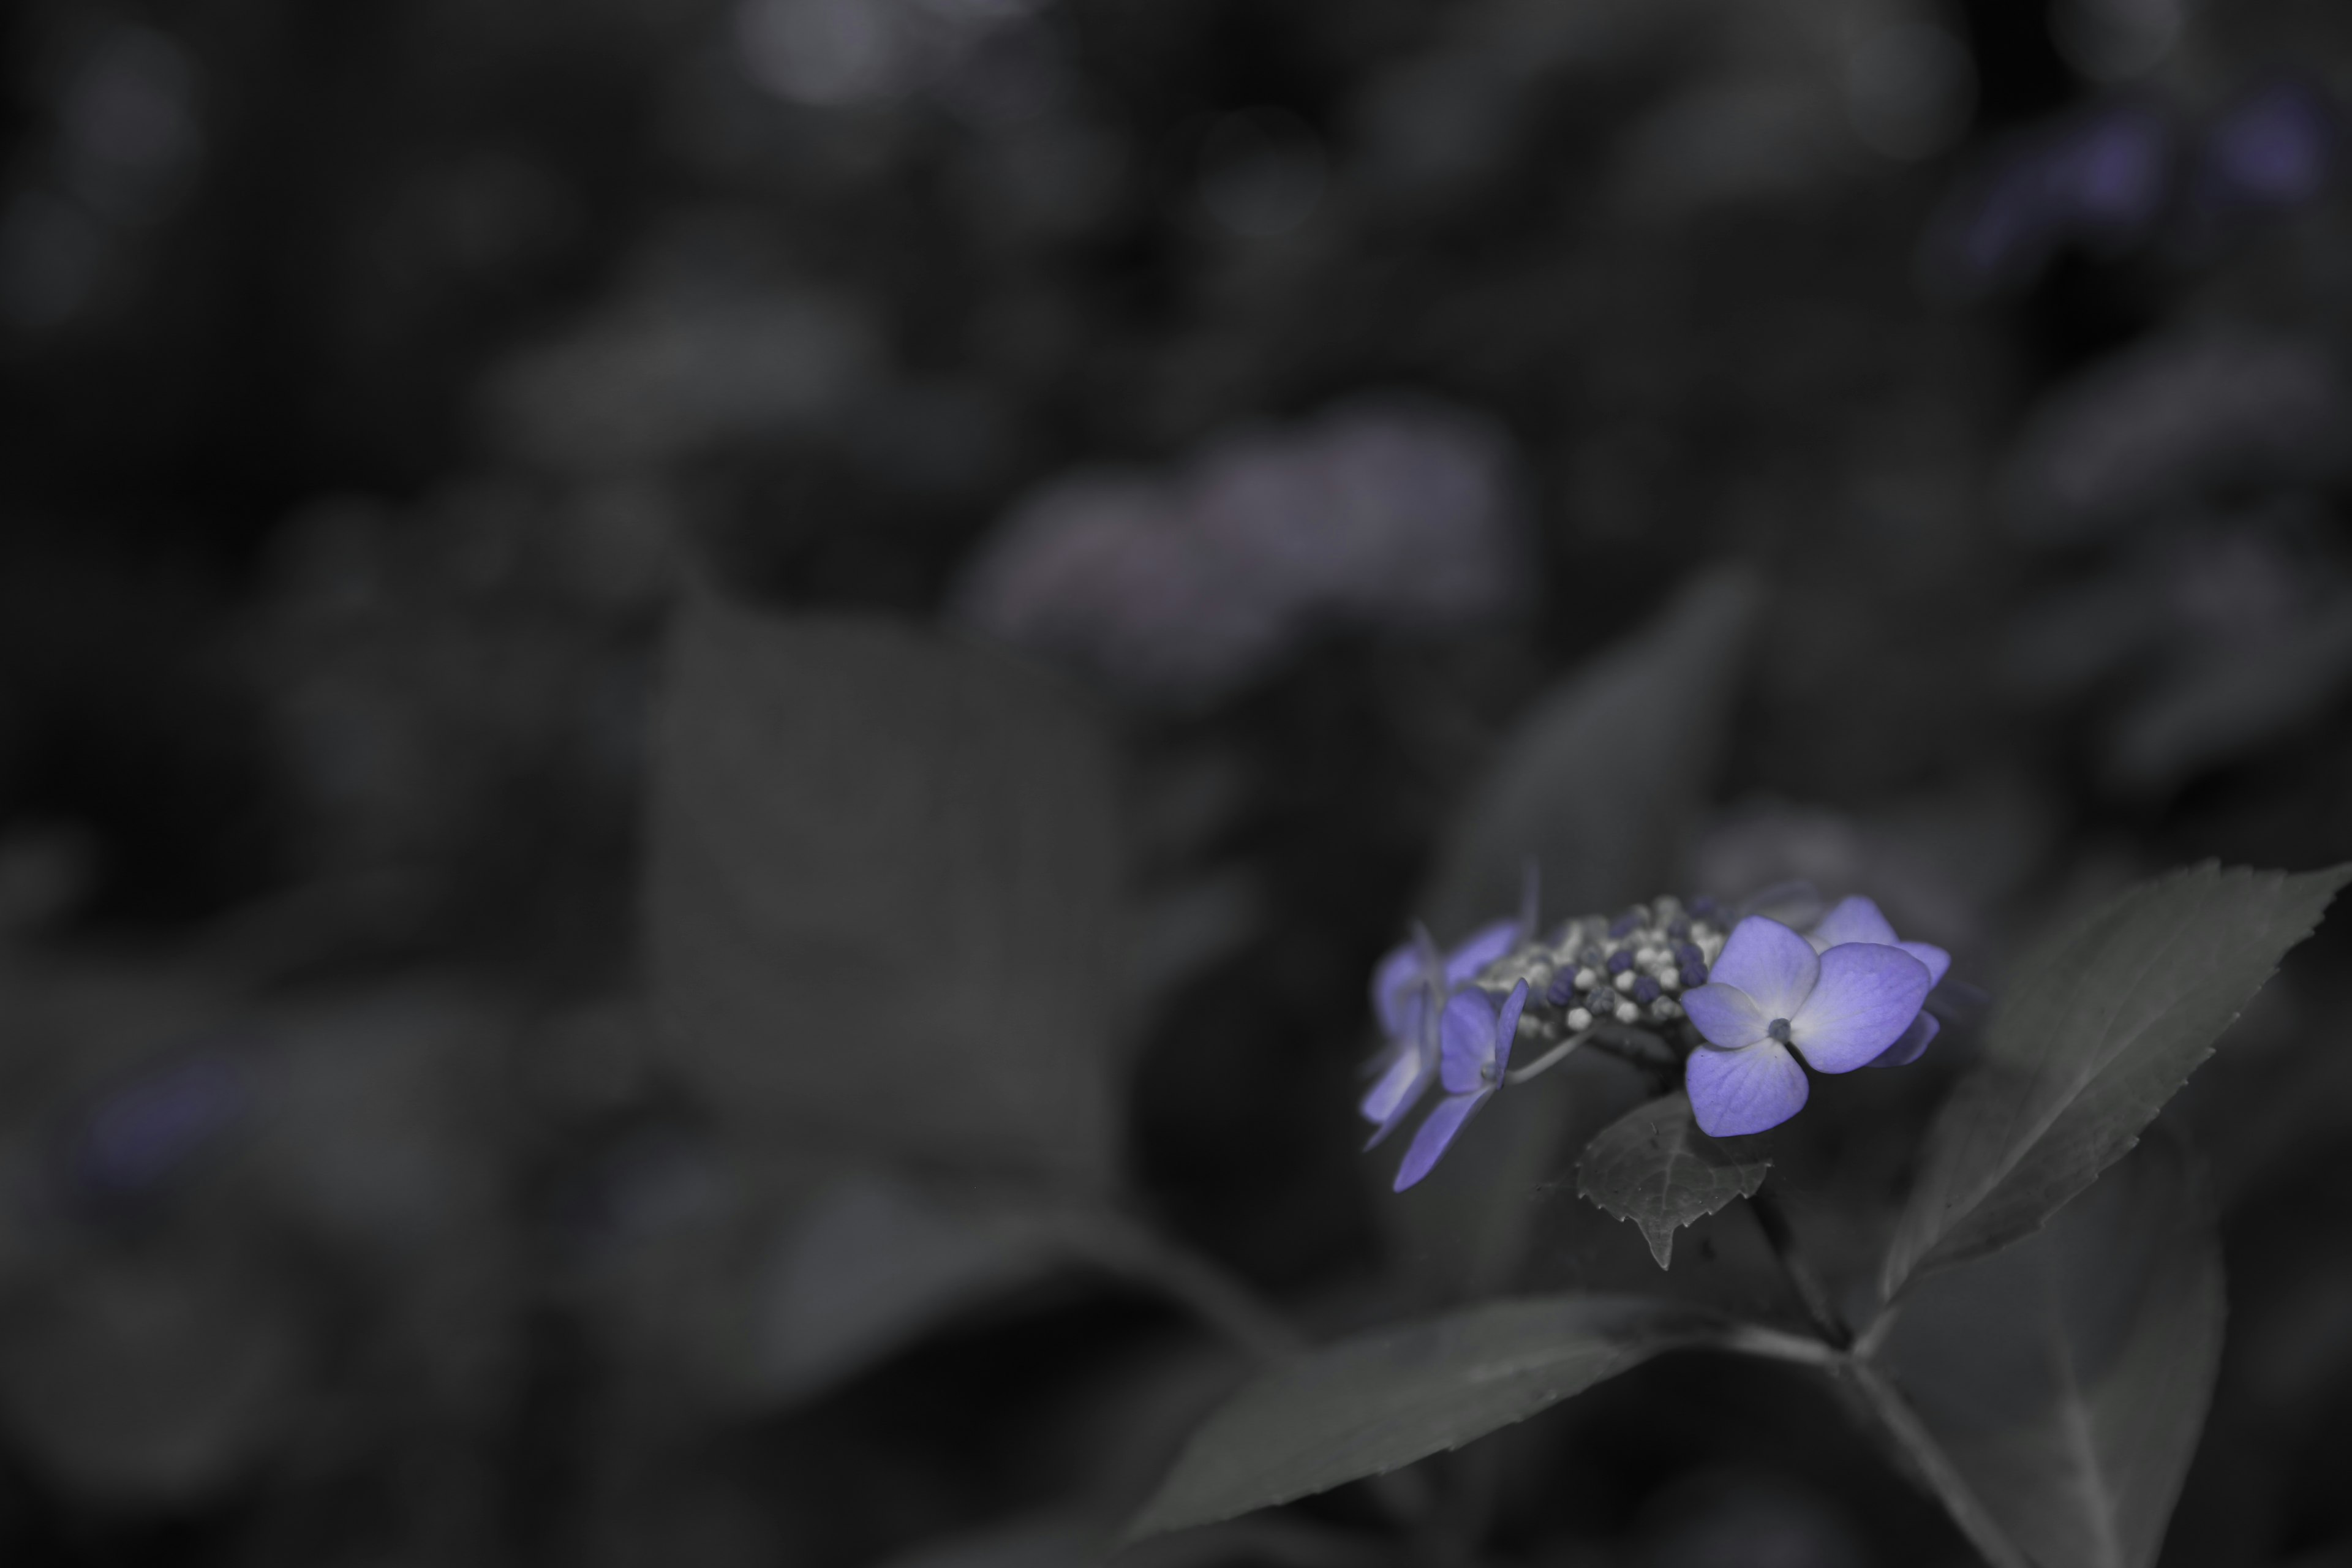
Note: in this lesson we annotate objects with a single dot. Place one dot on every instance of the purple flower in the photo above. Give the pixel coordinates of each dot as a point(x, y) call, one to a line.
point(2100, 178)
point(1773, 999)
point(137, 1136)
point(1475, 1049)
point(1405, 984)
point(1859, 919)
point(2275, 149)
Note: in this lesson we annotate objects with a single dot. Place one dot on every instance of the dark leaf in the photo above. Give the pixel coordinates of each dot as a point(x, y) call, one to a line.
point(2065, 1379)
point(1654, 1166)
point(1368, 1405)
point(2096, 1031)
point(1599, 783)
point(882, 899)
point(875, 1263)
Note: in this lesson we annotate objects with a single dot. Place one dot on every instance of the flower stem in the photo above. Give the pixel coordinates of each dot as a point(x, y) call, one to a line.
point(1773, 1219)
point(1549, 1059)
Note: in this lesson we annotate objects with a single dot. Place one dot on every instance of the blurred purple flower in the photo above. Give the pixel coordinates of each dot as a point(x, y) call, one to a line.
point(1404, 985)
point(1770, 994)
point(2098, 179)
point(1474, 1051)
point(2275, 148)
point(1858, 919)
point(1380, 514)
point(1099, 569)
point(140, 1134)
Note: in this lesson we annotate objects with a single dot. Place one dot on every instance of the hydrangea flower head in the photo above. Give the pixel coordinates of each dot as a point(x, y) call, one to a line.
point(1771, 998)
point(1474, 1051)
point(1412, 980)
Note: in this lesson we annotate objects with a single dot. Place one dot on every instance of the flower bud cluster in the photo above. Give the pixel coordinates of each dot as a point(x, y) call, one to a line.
point(1626, 969)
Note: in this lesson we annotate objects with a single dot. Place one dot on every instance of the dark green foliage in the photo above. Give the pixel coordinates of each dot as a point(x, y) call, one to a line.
point(1368, 1405)
point(2097, 1030)
point(1654, 1166)
point(2066, 1377)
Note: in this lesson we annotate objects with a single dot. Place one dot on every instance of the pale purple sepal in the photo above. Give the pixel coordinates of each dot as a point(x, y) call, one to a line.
point(1867, 995)
point(1725, 1015)
point(1773, 964)
point(1737, 1092)
point(1911, 1044)
point(1437, 1131)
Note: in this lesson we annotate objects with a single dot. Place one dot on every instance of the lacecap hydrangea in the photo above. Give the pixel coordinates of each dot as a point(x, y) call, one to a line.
point(1739, 1006)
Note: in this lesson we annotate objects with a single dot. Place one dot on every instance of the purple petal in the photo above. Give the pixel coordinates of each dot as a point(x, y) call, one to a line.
point(1937, 959)
point(1853, 920)
point(1507, 1026)
point(1478, 950)
point(1467, 1030)
point(1436, 1132)
point(1868, 996)
point(1400, 1087)
point(1394, 979)
point(1909, 1046)
point(1725, 1015)
point(1735, 1092)
point(1773, 964)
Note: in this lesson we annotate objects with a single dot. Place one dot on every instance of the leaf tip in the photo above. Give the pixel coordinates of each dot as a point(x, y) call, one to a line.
point(1661, 1242)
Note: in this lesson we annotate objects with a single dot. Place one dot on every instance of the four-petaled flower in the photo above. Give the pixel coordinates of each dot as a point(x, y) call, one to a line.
point(1403, 986)
point(1858, 919)
point(1770, 994)
point(1474, 1051)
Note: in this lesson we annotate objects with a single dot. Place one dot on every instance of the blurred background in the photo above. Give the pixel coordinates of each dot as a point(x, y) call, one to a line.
point(1264, 404)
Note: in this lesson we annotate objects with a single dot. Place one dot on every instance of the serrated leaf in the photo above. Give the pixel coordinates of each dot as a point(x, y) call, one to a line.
point(1654, 1166)
point(882, 895)
point(2097, 1030)
point(2065, 1379)
point(1368, 1405)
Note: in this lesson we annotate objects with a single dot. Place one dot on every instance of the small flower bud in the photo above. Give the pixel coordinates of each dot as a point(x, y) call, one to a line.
point(1562, 987)
point(1626, 981)
point(1619, 963)
point(1694, 975)
point(1645, 989)
point(1578, 1018)
point(1628, 1014)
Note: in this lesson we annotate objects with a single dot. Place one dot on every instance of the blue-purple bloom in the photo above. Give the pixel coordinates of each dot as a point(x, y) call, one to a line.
point(2274, 149)
point(1403, 986)
point(1771, 998)
point(1474, 1052)
point(1859, 919)
point(2100, 178)
point(136, 1137)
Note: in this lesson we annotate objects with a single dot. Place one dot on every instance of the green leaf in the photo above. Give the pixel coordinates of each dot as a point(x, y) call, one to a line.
point(2065, 1380)
point(1367, 1406)
point(875, 1263)
point(1598, 785)
point(882, 899)
point(1654, 1166)
point(2097, 1030)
